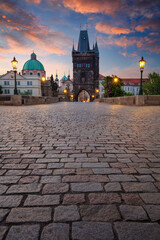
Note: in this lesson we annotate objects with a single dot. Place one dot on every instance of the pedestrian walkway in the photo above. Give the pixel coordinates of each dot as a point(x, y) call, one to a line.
point(80, 171)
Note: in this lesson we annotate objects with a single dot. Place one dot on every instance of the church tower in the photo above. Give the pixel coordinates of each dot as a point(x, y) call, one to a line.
point(85, 67)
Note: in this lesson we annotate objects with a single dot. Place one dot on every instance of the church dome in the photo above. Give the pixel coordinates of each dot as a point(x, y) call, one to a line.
point(64, 78)
point(33, 64)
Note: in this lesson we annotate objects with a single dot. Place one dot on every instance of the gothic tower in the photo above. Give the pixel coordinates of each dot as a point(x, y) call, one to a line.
point(85, 67)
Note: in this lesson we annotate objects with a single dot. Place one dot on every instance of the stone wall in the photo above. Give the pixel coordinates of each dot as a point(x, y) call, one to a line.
point(145, 100)
point(18, 100)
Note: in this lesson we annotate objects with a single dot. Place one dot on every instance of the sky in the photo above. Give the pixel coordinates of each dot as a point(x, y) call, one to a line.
point(125, 31)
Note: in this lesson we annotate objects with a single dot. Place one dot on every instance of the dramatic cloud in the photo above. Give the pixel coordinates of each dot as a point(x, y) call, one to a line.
point(107, 28)
point(24, 30)
point(153, 24)
point(34, 1)
point(146, 43)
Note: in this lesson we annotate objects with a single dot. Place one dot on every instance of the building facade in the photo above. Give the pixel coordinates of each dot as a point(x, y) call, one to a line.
point(85, 67)
point(131, 85)
point(30, 85)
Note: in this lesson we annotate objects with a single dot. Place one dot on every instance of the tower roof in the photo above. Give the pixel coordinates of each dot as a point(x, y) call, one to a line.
point(83, 44)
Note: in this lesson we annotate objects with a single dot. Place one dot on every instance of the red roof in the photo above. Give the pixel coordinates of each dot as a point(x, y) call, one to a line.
point(132, 81)
point(101, 77)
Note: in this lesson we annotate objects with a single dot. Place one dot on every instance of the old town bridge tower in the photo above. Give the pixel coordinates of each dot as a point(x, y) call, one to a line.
point(85, 67)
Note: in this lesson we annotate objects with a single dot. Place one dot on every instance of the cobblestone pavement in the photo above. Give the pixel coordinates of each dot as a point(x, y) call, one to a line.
point(82, 171)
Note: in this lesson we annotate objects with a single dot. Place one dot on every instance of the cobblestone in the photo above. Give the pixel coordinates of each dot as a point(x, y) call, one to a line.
point(79, 171)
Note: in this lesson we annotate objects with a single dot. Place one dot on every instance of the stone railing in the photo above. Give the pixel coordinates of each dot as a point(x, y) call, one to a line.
point(145, 100)
point(18, 100)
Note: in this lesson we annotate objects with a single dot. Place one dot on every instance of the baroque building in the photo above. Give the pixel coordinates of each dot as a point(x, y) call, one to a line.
point(85, 67)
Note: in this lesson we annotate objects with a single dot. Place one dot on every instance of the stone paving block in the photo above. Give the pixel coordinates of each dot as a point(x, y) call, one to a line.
point(66, 213)
point(36, 200)
point(75, 178)
point(23, 232)
point(55, 165)
point(128, 170)
point(87, 160)
point(29, 179)
point(122, 178)
point(150, 198)
point(139, 187)
point(95, 165)
point(33, 155)
point(137, 231)
point(102, 213)
point(50, 179)
point(15, 166)
point(99, 178)
point(73, 198)
point(72, 165)
point(132, 199)
point(106, 170)
point(134, 213)
point(41, 172)
point(10, 201)
point(3, 230)
point(25, 188)
point(55, 188)
point(18, 172)
point(3, 189)
point(63, 171)
point(34, 214)
point(3, 213)
point(92, 231)
point(9, 179)
point(153, 212)
point(156, 176)
point(86, 187)
point(47, 160)
point(107, 198)
point(37, 165)
point(113, 187)
point(55, 231)
point(84, 171)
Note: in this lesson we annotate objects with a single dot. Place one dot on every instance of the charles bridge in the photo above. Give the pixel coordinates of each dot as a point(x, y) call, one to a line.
point(82, 171)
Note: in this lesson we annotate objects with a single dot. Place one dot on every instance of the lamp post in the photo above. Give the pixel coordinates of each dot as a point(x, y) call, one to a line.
point(141, 64)
point(115, 79)
point(14, 65)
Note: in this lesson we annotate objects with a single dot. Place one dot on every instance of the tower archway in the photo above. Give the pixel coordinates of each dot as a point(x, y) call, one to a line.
point(83, 96)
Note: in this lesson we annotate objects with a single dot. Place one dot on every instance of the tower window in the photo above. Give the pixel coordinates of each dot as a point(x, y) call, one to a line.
point(31, 73)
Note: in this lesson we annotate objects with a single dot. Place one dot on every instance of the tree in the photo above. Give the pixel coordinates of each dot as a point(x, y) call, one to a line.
point(152, 84)
point(1, 89)
point(26, 93)
point(112, 88)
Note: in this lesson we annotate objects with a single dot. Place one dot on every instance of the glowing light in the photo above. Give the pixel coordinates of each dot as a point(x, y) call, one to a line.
point(71, 95)
point(14, 64)
point(93, 96)
point(43, 79)
point(115, 79)
point(142, 63)
point(97, 90)
point(65, 90)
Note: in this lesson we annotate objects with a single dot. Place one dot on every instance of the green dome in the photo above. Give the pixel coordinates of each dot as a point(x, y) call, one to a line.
point(33, 64)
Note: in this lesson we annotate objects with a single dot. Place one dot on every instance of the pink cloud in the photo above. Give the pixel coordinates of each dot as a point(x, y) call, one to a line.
point(107, 28)
point(34, 1)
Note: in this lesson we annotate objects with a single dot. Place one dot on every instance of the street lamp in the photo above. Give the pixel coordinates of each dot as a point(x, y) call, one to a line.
point(115, 79)
point(14, 65)
point(141, 64)
point(65, 91)
point(43, 79)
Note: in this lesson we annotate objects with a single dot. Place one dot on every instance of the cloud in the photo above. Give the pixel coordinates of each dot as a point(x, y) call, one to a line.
point(92, 6)
point(152, 24)
point(107, 28)
point(34, 1)
point(150, 44)
point(24, 31)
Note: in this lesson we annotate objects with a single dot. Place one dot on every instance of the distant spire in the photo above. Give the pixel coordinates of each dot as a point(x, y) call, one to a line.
point(83, 43)
point(96, 49)
point(73, 48)
point(93, 45)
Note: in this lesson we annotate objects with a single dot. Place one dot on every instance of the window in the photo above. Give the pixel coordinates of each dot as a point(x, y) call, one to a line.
point(6, 91)
point(18, 90)
point(38, 74)
point(18, 83)
point(79, 65)
point(29, 83)
point(29, 91)
point(31, 73)
point(6, 83)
